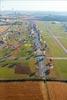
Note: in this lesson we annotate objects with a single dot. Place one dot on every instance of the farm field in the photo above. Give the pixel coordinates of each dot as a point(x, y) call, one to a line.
point(35, 90)
point(56, 38)
point(21, 90)
point(55, 89)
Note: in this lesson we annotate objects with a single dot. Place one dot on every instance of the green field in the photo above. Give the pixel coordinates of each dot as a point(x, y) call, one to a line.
point(54, 49)
point(59, 31)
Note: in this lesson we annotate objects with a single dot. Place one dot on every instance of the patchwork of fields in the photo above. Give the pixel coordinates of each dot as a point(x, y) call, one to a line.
point(17, 61)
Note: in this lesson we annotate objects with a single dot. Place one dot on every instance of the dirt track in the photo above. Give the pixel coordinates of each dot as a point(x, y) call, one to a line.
point(33, 91)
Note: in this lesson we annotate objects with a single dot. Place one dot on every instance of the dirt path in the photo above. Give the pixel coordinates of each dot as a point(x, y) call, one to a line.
point(43, 90)
point(57, 90)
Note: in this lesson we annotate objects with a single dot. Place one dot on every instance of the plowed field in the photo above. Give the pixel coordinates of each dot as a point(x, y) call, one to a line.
point(57, 91)
point(33, 91)
point(20, 91)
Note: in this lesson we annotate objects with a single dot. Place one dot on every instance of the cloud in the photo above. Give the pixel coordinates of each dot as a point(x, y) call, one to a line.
point(32, 5)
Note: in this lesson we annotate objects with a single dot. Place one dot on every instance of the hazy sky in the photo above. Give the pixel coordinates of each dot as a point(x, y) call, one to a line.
point(34, 5)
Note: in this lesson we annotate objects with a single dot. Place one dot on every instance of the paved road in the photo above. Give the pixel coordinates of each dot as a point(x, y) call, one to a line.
point(40, 59)
point(56, 39)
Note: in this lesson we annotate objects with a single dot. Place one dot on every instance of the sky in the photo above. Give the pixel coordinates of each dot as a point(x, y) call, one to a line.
point(34, 5)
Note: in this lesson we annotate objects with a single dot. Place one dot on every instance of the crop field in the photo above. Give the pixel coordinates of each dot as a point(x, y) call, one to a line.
point(34, 90)
point(56, 38)
point(21, 90)
point(55, 90)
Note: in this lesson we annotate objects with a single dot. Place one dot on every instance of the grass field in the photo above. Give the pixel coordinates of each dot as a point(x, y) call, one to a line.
point(60, 32)
point(49, 31)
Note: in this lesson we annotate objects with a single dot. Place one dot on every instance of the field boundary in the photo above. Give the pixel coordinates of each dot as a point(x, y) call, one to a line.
point(48, 80)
